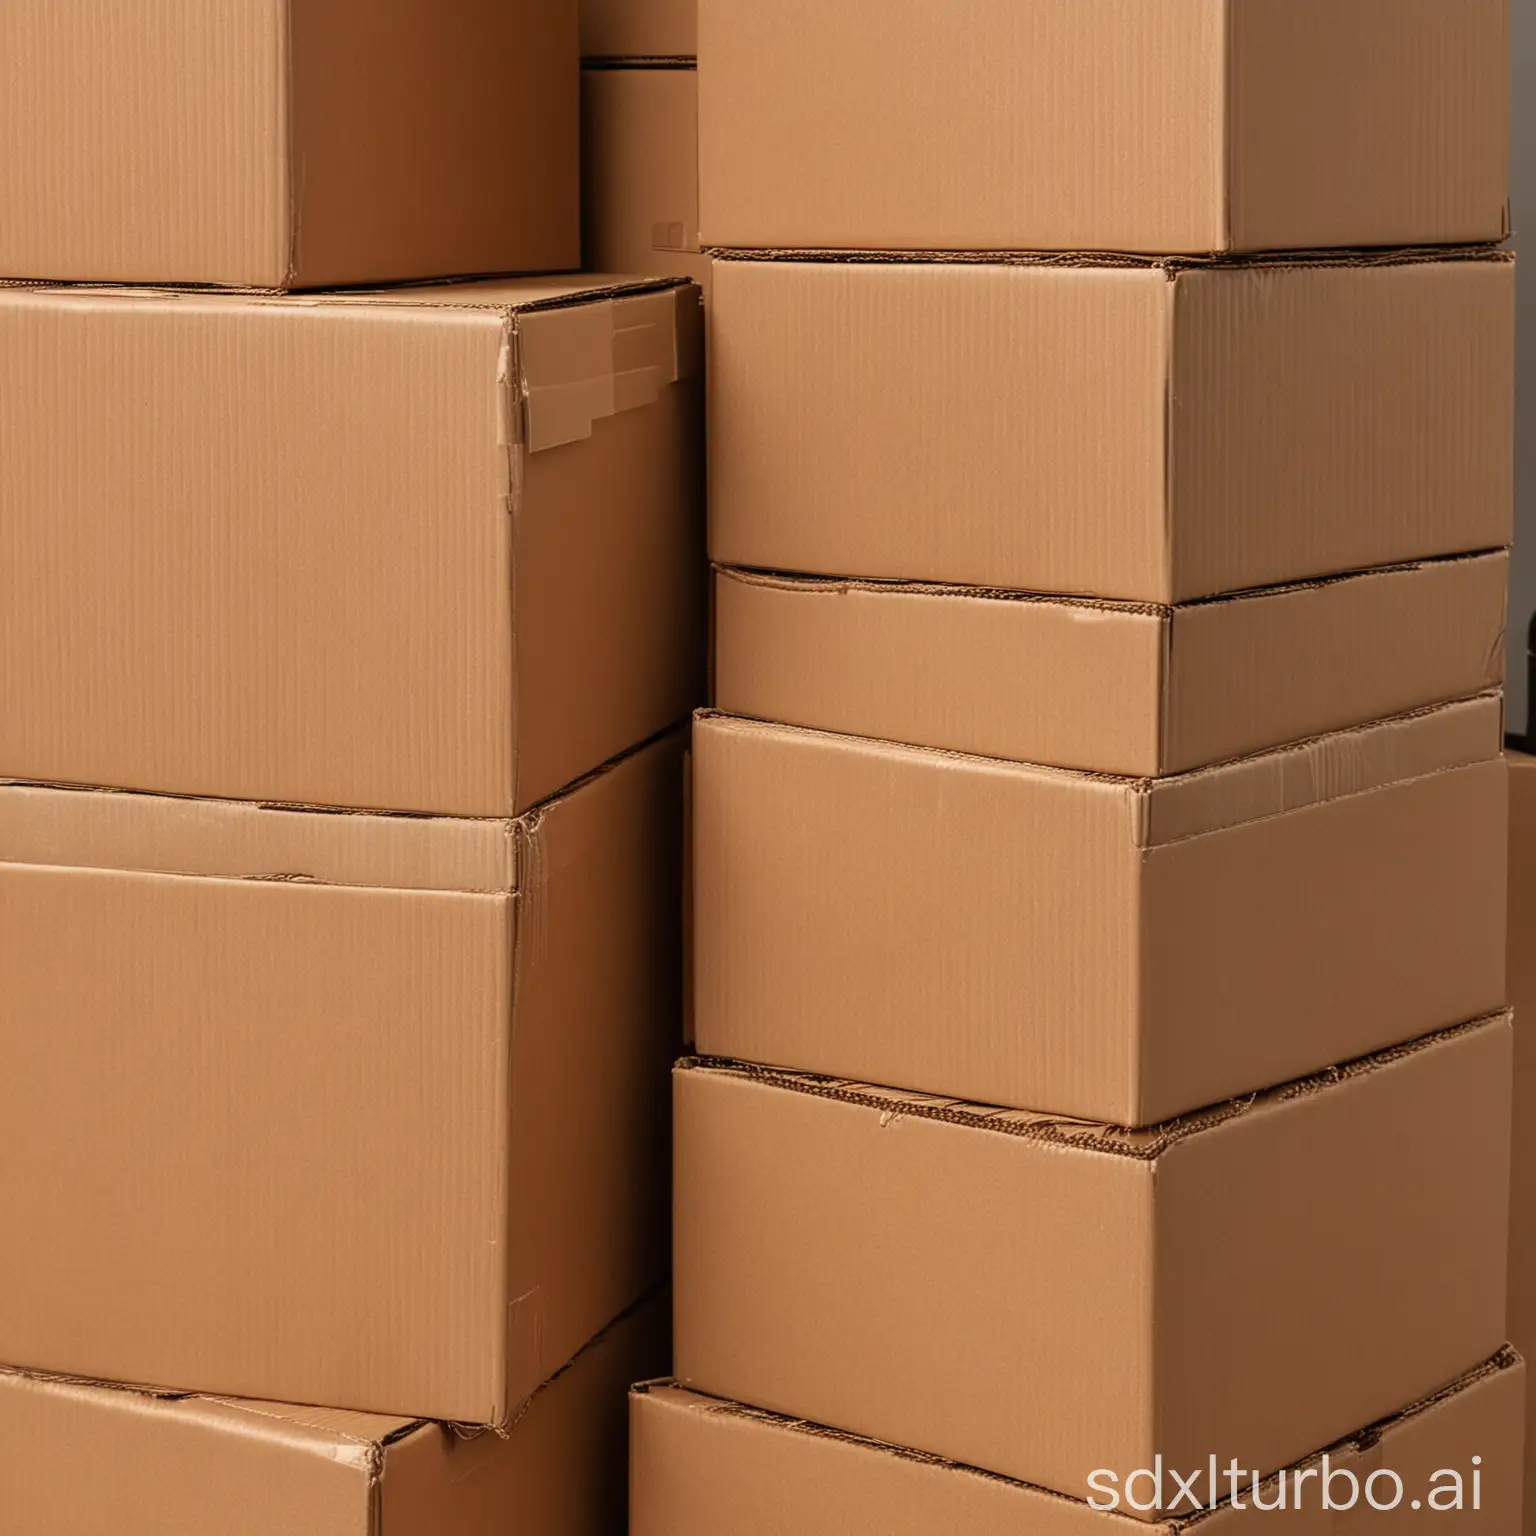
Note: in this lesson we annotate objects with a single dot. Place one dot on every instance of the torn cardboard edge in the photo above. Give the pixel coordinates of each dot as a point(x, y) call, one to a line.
point(380, 1430)
point(1147, 1144)
point(794, 581)
point(1172, 265)
point(74, 826)
point(1437, 738)
point(1359, 1443)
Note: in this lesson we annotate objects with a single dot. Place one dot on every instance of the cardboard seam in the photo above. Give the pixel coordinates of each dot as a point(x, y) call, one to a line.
point(609, 61)
point(1138, 1144)
point(293, 171)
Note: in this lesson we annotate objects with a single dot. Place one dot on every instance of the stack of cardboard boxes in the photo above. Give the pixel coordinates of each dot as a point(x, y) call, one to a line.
point(1102, 1107)
point(348, 637)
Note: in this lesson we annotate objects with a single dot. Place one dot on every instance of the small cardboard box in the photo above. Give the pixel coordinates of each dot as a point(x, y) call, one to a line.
point(1045, 1299)
point(426, 549)
point(287, 143)
point(1103, 125)
point(639, 29)
point(640, 171)
point(1128, 688)
point(81, 1460)
point(701, 1466)
point(1153, 432)
point(368, 1111)
point(1122, 949)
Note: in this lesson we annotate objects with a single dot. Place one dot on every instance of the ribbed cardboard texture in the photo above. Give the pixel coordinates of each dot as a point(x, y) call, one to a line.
point(356, 1110)
point(81, 1460)
point(287, 143)
point(700, 1466)
point(1110, 687)
point(640, 171)
point(429, 549)
point(1046, 1299)
point(1522, 993)
point(1123, 949)
point(1201, 125)
point(1147, 432)
point(639, 29)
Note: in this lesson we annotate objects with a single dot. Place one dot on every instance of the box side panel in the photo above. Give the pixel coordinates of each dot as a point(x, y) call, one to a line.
point(434, 140)
point(640, 172)
point(144, 142)
point(610, 589)
point(1331, 1257)
point(700, 1466)
point(999, 426)
point(563, 1467)
point(1334, 418)
point(1407, 105)
point(77, 1461)
point(1257, 672)
point(1036, 682)
point(598, 1022)
point(639, 29)
point(273, 1121)
point(959, 1291)
point(255, 551)
point(1277, 948)
point(913, 919)
point(1005, 125)
point(1522, 993)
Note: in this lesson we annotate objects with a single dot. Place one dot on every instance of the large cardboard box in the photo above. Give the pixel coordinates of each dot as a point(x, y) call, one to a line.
point(1122, 949)
point(82, 1460)
point(639, 29)
point(1127, 688)
point(640, 171)
point(1045, 1299)
point(358, 1110)
point(428, 549)
point(287, 143)
point(1103, 125)
point(700, 1466)
point(1522, 993)
point(1156, 432)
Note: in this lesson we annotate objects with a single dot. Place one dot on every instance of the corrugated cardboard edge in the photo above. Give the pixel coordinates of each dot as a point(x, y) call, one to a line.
point(1358, 1443)
point(1435, 739)
point(1145, 1145)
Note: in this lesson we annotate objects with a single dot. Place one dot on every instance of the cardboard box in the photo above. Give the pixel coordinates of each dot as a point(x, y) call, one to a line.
point(1108, 125)
point(700, 1466)
point(80, 1460)
point(1125, 688)
point(640, 171)
point(1044, 1299)
point(358, 1110)
point(432, 549)
point(287, 143)
point(639, 29)
point(1157, 432)
point(1522, 993)
point(1122, 949)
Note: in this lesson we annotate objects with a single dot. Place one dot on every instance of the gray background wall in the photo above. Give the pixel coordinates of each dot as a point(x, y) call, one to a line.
point(1523, 596)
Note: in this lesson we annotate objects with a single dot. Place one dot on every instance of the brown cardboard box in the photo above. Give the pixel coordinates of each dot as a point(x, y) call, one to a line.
point(700, 1466)
point(82, 1460)
point(1125, 688)
point(1044, 1299)
point(367, 1111)
point(287, 143)
point(1123, 949)
point(640, 171)
point(430, 549)
point(1522, 993)
point(1141, 431)
point(639, 29)
point(1110, 125)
